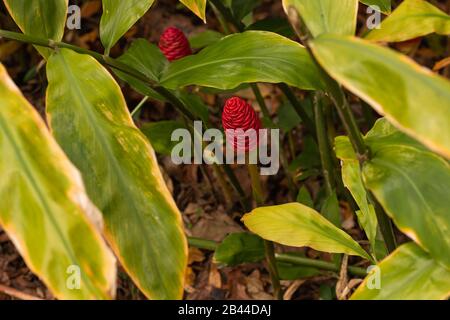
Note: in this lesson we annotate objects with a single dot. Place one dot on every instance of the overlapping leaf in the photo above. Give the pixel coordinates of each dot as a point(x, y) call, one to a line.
point(351, 176)
point(196, 6)
point(411, 183)
point(89, 118)
point(384, 5)
point(44, 207)
point(296, 225)
point(44, 19)
point(409, 273)
point(326, 16)
point(252, 56)
point(412, 19)
point(411, 97)
point(118, 17)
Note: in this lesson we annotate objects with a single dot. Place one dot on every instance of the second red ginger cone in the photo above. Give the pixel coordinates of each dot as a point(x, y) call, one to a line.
point(238, 114)
point(174, 44)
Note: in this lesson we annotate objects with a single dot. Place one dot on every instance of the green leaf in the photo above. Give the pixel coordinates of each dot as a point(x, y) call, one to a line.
point(412, 19)
point(276, 25)
point(384, 5)
point(204, 39)
point(331, 211)
point(90, 120)
point(45, 19)
point(194, 104)
point(149, 60)
point(160, 133)
point(252, 56)
point(288, 118)
point(239, 248)
point(44, 207)
point(296, 225)
point(326, 16)
point(196, 6)
point(408, 273)
point(241, 8)
point(351, 176)
point(411, 183)
point(411, 97)
point(304, 197)
point(118, 17)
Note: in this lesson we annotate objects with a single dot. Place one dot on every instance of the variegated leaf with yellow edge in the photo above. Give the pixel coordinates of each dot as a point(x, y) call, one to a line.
point(44, 207)
point(89, 118)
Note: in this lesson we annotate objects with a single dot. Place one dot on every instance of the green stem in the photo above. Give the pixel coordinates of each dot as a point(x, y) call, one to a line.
point(261, 102)
point(348, 119)
point(286, 258)
point(62, 45)
point(139, 106)
point(385, 223)
point(324, 146)
point(269, 247)
point(228, 15)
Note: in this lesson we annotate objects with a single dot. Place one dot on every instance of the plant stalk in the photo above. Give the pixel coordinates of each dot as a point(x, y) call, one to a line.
point(324, 146)
point(286, 258)
point(269, 247)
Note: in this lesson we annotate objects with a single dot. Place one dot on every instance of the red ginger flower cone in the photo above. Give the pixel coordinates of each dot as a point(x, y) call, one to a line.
point(174, 44)
point(238, 114)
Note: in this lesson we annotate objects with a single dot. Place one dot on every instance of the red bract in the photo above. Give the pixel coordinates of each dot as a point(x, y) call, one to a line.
point(174, 44)
point(238, 114)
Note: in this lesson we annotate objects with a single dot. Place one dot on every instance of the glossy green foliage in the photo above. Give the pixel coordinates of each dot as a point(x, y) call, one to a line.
point(297, 225)
point(325, 16)
point(44, 19)
point(146, 58)
point(412, 98)
point(412, 19)
point(160, 133)
point(411, 183)
point(239, 248)
point(409, 273)
point(118, 17)
point(252, 56)
point(44, 207)
point(89, 118)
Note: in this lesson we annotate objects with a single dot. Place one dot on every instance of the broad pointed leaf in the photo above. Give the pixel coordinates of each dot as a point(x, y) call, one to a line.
point(147, 59)
point(384, 5)
point(238, 248)
point(409, 273)
point(196, 6)
point(326, 16)
point(44, 207)
point(411, 183)
point(412, 98)
point(412, 19)
point(118, 17)
point(89, 118)
point(43, 19)
point(252, 56)
point(296, 225)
